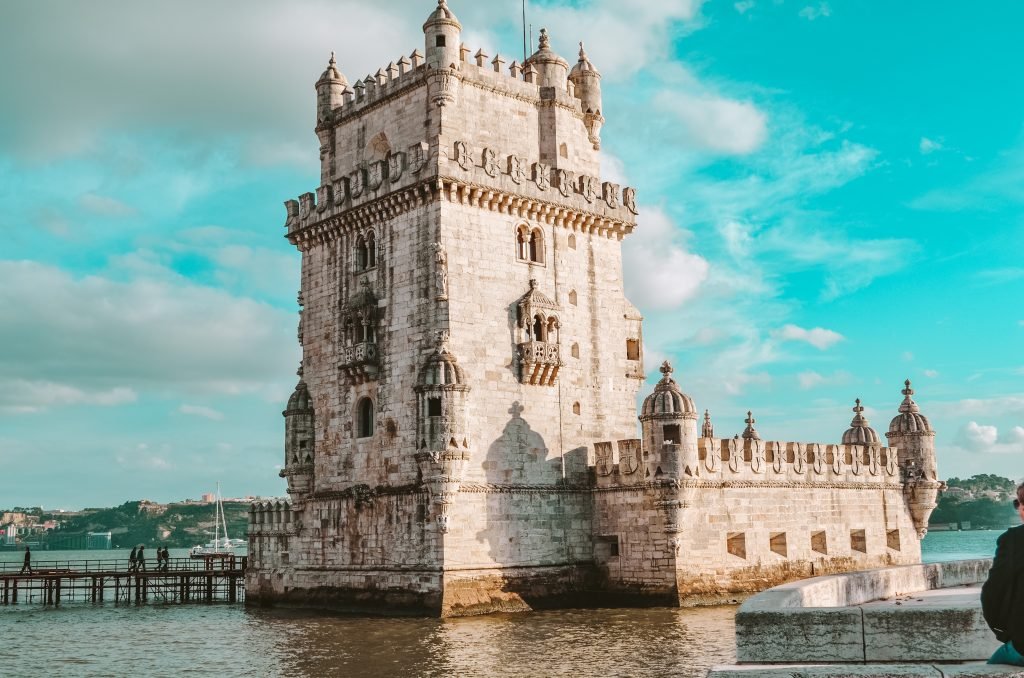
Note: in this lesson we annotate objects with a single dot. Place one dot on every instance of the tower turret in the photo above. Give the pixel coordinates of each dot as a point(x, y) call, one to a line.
point(587, 82)
point(860, 433)
point(912, 434)
point(442, 37)
point(330, 90)
point(550, 68)
point(441, 427)
point(298, 442)
point(669, 422)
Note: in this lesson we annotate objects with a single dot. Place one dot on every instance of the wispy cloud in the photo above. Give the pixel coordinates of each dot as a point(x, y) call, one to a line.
point(818, 337)
point(927, 146)
point(26, 396)
point(986, 439)
point(105, 206)
point(201, 411)
point(812, 12)
point(660, 272)
point(744, 6)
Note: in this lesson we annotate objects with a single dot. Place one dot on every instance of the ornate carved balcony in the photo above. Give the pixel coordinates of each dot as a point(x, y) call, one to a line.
point(359, 362)
point(540, 362)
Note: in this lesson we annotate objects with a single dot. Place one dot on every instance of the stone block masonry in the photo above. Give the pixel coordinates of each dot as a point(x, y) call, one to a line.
point(463, 436)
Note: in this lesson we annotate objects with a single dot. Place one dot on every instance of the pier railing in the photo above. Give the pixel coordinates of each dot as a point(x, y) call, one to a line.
point(121, 565)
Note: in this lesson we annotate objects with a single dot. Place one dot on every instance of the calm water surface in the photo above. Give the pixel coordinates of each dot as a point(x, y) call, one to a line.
point(228, 640)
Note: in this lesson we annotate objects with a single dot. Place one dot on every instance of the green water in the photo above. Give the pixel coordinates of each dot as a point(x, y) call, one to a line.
point(229, 640)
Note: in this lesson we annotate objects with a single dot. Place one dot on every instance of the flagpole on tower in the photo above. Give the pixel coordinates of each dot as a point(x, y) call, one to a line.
point(524, 31)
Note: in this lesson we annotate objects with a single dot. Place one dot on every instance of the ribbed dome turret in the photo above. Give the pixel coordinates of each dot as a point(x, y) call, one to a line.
point(442, 16)
point(910, 419)
point(552, 69)
point(667, 401)
point(859, 432)
point(583, 68)
point(332, 75)
point(299, 402)
point(750, 433)
point(442, 368)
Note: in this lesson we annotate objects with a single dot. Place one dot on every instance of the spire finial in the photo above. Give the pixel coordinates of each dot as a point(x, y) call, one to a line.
point(332, 62)
point(545, 41)
point(666, 369)
point(857, 408)
point(707, 430)
point(750, 433)
point(583, 54)
point(907, 391)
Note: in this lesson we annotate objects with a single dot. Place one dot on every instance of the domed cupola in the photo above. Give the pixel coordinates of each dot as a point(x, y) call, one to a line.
point(909, 420)
point(330, 90)
point(442, 32)
point(859, 432)
point(551, 68)
point(668, 401)
point(668, 419)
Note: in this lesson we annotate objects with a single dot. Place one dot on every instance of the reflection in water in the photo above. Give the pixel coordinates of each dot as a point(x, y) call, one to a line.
point(227, 640)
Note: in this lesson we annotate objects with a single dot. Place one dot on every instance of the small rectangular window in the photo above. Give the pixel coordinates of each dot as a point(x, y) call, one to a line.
point(736, 544)
point(439, 42)
point(670, 433)
point(433, 407)
point(892, 539)
point(777, 543)
point(609, 543)
point(858, 541)
point(819, 542)
point(632, 349)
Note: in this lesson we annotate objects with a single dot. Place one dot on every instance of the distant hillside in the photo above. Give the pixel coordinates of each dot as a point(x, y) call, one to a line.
point(981, 501)
point(135, 522)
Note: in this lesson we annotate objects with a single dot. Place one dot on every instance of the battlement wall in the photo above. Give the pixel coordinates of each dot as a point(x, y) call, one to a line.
point(735, 460)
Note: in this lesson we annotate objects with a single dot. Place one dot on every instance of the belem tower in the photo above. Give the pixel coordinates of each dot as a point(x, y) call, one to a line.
point(463, 435)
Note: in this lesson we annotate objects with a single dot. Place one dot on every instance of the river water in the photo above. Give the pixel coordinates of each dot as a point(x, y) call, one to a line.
point(229, 640)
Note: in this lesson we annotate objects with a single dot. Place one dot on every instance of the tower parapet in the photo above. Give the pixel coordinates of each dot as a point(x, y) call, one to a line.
point(912, 434)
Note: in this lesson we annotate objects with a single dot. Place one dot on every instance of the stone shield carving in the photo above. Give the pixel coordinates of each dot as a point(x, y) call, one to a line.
point(603, 458)
point(462, 155)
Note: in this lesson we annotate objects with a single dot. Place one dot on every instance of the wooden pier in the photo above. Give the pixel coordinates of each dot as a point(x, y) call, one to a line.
point(184, 580)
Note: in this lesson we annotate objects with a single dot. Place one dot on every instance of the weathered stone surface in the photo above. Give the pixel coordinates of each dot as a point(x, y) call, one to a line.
point(800, 635)
point(937, 625)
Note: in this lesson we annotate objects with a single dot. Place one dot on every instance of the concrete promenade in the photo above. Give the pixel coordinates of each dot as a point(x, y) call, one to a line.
point(913, 620)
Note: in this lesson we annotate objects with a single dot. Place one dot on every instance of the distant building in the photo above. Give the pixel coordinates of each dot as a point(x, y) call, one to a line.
point(209, 497)
point(10, 535)
point(98, 541)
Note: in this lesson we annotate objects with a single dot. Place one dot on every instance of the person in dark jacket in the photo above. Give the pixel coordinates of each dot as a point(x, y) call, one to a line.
point(133, 559)
point(1002, 596)
point(140, 559)
point(27, 565)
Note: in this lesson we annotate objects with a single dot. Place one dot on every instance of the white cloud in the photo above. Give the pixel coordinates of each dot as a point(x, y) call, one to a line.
point(659, 272)
point(25, 396)
point(105, 206)
point(907, 356)
point(810, 12)
point(927, 146)
point(985, 439)
point(744, 6)
point(931, 373)
point(818, 337)
point(713, 122)
point(737, 238)
point(95, 335)
point(201, 411)
point(810, 379)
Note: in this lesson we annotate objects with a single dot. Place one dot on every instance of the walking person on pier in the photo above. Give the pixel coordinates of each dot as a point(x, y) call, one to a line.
point(167, 559)
point(27, 565)
point(1002, 596)
point(133, 559)
point(159, 559)
point(140, 559)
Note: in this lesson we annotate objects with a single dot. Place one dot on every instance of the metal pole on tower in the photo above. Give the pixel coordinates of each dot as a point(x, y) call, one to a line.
point(524, 31)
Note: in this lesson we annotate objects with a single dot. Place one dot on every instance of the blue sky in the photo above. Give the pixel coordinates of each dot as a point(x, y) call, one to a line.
point(832, 201)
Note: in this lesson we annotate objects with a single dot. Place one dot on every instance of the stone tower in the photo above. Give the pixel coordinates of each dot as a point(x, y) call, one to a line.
point(912, 434)
point(465, 335)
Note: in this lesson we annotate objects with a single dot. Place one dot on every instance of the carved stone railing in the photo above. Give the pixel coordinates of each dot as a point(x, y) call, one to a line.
point(540, 362)
point(359, 361)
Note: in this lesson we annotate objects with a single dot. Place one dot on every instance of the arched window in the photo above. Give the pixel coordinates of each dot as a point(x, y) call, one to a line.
point(572, 241)
point(371, 250)
point(576, 408)
point(537, 246)
point(522, 243)
point(364, 418)
point(551, 332)
point(538, 328)
point(575, 350)
point(572, 297)
point(362, 253)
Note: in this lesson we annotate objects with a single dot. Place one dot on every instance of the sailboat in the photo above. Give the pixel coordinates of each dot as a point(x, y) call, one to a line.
point(220, 547)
